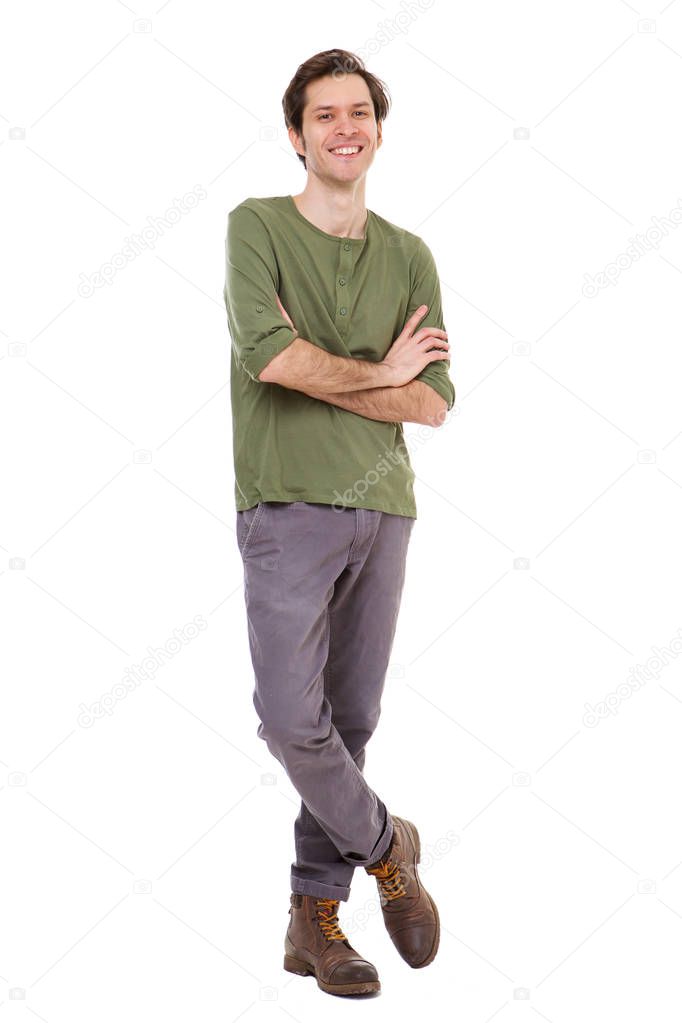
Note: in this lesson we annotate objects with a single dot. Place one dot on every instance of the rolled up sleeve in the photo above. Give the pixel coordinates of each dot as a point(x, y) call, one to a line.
point(257, 327)
point(425, 290)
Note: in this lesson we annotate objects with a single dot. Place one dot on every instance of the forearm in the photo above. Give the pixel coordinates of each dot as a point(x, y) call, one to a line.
point(302, 364)
point(415, 402)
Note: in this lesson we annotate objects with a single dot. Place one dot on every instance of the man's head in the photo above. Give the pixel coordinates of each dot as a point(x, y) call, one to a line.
point(333, 101)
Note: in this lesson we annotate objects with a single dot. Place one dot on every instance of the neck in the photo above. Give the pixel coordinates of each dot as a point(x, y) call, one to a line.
point(340, 212)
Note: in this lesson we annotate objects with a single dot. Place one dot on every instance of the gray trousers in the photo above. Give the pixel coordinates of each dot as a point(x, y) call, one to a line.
point(322, 589)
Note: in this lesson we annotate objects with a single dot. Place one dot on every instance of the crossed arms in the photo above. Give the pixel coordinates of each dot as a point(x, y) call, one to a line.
point(399, 388)
point(375, 390)
point(302, 367)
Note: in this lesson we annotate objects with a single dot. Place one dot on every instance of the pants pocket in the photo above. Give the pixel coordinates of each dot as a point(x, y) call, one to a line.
point(247, 526)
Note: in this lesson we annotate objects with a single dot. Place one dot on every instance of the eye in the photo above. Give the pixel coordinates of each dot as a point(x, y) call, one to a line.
point(361, 112)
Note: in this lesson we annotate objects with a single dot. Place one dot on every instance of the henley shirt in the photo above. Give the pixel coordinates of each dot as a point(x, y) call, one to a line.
point(349, 296)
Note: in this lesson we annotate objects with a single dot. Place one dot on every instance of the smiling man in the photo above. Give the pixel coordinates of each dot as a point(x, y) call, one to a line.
point(337, 339)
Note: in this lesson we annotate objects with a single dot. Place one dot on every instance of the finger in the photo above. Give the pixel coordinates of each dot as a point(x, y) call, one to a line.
point(422, 337)
point(418, 314)
point(438, 341)
point(433, 331)
point(285, 314)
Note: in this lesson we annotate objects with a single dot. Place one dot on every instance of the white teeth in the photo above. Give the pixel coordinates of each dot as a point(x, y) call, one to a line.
point(347, 150)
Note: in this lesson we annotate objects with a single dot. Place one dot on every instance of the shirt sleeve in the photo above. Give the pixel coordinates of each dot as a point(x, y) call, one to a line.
point(425, 290)
point(257, 327)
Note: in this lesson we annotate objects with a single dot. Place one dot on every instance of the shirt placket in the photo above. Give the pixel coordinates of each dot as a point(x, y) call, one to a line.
point(343, 276)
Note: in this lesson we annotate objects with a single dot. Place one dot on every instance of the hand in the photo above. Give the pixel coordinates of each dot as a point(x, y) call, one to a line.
point(410, 353)
point(285, 314)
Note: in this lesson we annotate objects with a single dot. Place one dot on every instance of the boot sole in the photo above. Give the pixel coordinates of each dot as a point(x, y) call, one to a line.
point(414, 834)
point(303, 969)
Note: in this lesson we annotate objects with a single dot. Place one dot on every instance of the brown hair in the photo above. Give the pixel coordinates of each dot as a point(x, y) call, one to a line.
point(335, 63)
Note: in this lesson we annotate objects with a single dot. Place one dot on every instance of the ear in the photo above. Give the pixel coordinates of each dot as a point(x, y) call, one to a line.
point(295, 140)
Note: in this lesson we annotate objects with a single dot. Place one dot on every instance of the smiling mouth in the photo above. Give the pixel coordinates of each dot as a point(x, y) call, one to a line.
point(346, 152)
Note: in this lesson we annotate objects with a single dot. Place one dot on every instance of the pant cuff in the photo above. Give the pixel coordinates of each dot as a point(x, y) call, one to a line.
point(383, 843)
point(320, 889)
point(380, 846)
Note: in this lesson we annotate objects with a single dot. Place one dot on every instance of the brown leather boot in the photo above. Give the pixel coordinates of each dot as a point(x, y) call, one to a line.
point(409, 912)
point(315, 944)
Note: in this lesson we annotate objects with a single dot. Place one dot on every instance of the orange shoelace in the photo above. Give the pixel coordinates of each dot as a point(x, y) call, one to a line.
point(329, 921)
point(390, 881)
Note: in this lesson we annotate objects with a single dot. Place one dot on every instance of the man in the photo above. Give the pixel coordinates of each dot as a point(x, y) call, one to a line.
point(324, 303)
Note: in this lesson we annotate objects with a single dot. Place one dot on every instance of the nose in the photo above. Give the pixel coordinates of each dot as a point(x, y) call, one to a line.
point(347, 126)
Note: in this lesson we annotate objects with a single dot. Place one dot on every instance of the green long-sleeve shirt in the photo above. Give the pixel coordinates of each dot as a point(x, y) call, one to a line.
point(351, 297)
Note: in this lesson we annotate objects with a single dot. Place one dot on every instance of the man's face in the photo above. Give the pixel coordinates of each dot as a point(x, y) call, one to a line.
point(346, 120)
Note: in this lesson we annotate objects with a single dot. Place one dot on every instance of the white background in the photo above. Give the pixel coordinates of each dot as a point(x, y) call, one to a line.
point(145, 858)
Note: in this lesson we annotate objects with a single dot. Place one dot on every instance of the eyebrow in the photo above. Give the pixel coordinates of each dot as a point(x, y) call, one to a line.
point(364, 103)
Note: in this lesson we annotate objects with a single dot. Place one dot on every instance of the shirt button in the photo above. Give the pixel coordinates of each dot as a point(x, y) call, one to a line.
point(259, 308)
point(342, 310)
point(342, 280)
